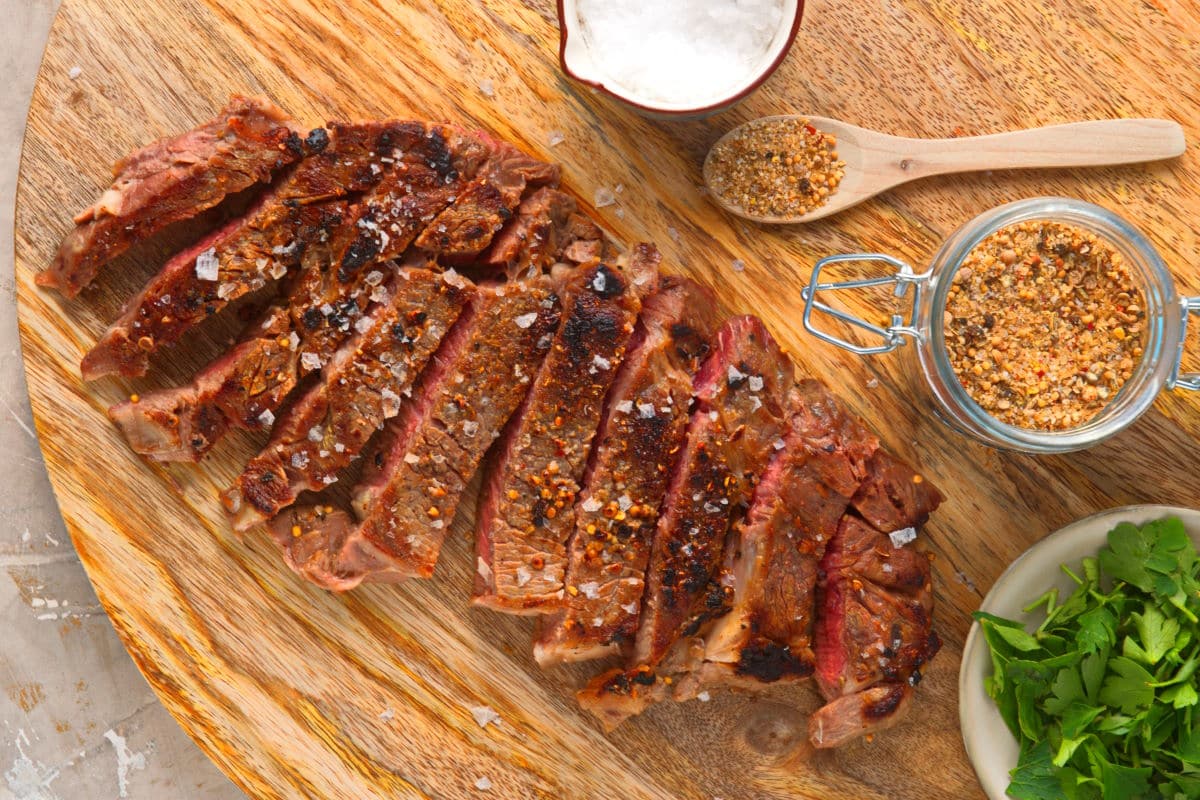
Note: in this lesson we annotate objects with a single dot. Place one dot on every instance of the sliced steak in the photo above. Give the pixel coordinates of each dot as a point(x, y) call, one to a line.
point(465, 229)
point(537, 235)
point(414, 479)
point(893, 496)
point(359, 389)
point(640, 436)
point(526, 511)
point(776, 551)
point(247, 253)
point(319, 309)
point(175, 179)
point(739, 414)
point(874, 631)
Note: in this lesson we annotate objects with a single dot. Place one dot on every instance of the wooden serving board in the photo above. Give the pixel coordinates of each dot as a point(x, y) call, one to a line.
point(300, 693)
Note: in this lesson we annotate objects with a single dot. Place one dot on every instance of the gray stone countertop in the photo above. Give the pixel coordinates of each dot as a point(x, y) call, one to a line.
point(77, 720)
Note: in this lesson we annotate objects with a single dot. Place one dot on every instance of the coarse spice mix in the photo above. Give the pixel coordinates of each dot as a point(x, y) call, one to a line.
point(1044, 323)
point(776, 167)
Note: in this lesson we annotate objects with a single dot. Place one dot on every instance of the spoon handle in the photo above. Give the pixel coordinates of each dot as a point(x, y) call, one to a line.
point(1078, 144)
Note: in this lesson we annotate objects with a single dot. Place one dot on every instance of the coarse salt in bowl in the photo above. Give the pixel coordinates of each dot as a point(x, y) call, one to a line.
point(676, 58)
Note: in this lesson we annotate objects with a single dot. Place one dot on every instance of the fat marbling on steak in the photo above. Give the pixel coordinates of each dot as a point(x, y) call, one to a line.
point(875, 626)
point(249, 252)
point(414, 477)
point(526, 512)
point(323, 301)
point(641, 434)
point(174, 179)
point(361, 387)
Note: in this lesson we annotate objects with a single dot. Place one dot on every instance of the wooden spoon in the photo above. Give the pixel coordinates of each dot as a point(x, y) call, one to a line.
point(875, 162)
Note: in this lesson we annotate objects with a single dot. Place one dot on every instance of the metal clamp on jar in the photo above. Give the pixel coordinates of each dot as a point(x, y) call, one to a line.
point(1165, 324)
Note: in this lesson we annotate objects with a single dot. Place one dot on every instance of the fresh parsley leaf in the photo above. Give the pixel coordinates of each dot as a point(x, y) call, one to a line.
point(1035, 777)
point(1126, 554)
point(1127, 686)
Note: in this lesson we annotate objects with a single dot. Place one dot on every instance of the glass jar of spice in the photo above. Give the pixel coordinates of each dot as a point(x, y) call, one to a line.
point(1141, 334)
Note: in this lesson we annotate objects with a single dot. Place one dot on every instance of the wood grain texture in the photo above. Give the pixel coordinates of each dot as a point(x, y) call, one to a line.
point(283, 684)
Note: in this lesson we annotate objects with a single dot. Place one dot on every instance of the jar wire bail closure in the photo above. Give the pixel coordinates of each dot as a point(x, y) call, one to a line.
point(894, 335)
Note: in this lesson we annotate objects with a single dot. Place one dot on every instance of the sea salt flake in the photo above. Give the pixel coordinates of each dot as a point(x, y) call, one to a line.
point(591, 505)
point(625, 406)
point(328, 479)
point(756, 383)
point(484, 570)
point(488, 87)
point(315, 434)
point(704, 697)
point(903, 536)
point(374, 278)
point(756, 405)
point(338, 447)
point(483, 783)
point(887, 568)
point(74, 72)
point(630, 608)
point(387, 716)
point(362, 324)
point(604, 197)
point(873, 383)
point(735, 374)
point(470, 428)
point(208, 266)
point(485, 715)
point(555, 138)
point(601, 362)
point(711, 508)
point(267, 418)
point(625, 502)
point(590, 590)
point(778, 444)
point(227, 290)
point(600, 282)
point(646, 410)
point(300, 460)
point(712, 415)
point(411, 458)
point(293, 340)
point(310, 361)
point(278, 270)
point(739, 265)
point(526, 320)
point(523, 576)
point(390, 404)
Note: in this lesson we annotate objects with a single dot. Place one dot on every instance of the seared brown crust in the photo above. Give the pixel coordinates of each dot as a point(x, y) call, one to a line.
point(465, 229)
point(893, 496)
point(640, 436)
point(415, 476)
point(741, 394)
point(174, 179)
point(361, 388)
point(336, 282)
point(526, 511)
point(249, 252)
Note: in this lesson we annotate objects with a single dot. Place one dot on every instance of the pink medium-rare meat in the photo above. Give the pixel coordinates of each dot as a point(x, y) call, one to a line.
point(465, 229)
point(741, 395)
point(174, 179)
point(874, 631)
point(322, 303)
point(415, 475)
point(641, 434)
point(246, 254)
point(776, 551)
point(361, 387)
point(526, 511)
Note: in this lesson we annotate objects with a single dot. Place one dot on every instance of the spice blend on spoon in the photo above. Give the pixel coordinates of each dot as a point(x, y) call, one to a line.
point(1044, 324)
point(776, 167)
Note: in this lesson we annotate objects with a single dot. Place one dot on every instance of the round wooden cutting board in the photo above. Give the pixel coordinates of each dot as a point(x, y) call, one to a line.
point(299, 693)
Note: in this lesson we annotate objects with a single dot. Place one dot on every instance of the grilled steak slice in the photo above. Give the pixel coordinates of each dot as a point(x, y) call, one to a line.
point(874, 631)
point(318, 311)
point(741, 395)
point(640, 436)
point(537, 235)
point(776, 551)
point(526, 512)
point(465, 229)
point(244, 255)
point(414, 479)
point(893, 496)
point(360, 388)
point(175, 179)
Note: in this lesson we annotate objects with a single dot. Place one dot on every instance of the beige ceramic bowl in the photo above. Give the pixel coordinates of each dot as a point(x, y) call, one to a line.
point(990, 746)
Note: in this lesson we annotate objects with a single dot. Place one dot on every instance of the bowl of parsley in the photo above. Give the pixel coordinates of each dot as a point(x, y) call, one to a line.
point(1079, 677)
